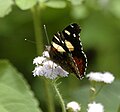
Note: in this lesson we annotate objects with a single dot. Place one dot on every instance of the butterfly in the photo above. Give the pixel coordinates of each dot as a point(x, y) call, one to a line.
point(66, 50)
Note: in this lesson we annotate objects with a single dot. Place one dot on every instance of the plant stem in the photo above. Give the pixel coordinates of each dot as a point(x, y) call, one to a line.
point(92, 91)
point(38, 30)
point(40, 47)
point(102, 85)
point(49, 97)
point(60, 98)
point(96, 91)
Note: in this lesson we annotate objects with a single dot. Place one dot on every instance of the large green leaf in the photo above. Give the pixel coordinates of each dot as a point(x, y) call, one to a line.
point(15, 93)
point(25, 4)
point(5, 7)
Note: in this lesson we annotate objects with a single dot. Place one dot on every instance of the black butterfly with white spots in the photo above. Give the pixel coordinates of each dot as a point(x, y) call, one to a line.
point(66, 50)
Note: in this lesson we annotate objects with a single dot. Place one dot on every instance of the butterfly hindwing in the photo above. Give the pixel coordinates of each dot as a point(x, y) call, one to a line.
point(72, 34)
point(66, 50)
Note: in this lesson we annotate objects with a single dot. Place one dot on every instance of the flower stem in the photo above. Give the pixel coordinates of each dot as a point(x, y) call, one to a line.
point(101, 86)
point(49, 97)
point(40, 47)
point(92, 91)
point(60, 98)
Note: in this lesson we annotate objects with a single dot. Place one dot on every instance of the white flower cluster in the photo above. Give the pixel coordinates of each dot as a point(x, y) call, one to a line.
point(73, 107)
point(92, 107)
point(47, 68)
point(95, 107)
point(101, 77)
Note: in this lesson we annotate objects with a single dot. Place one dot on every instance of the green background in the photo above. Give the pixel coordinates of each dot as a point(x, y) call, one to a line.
point(100, 36)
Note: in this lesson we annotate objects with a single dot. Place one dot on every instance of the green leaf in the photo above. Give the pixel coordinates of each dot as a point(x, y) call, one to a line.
point(56, 4)
point(15, 94)
point(5, 7)
point(25, 4)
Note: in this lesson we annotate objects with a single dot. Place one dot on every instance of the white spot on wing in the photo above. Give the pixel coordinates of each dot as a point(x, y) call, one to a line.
point(67, 32)
point(56, 38)
point(74, 35)
point(62, 41)
point(69, 45)
point(72, 26)
point(58, 47)
point(58, 33)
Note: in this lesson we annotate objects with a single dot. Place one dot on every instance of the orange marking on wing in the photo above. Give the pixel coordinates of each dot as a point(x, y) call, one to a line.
point(80, 64)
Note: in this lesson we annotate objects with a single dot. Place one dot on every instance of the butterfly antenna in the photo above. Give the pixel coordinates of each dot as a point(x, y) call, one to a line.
point(46, 34)
point(30, 41)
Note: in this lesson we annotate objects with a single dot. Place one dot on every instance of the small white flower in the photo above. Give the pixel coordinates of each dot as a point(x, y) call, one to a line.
point(108, 77)
point(61, 72)
point(46, 54)
point(95, 107)
point(73, 107)
point(39, 60)
point(47, 68)
point(38, 71)
point(101, 77)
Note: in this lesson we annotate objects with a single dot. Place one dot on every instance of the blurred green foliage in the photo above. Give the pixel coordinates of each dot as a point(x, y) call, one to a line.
point(100, 35)
point(15, 94)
